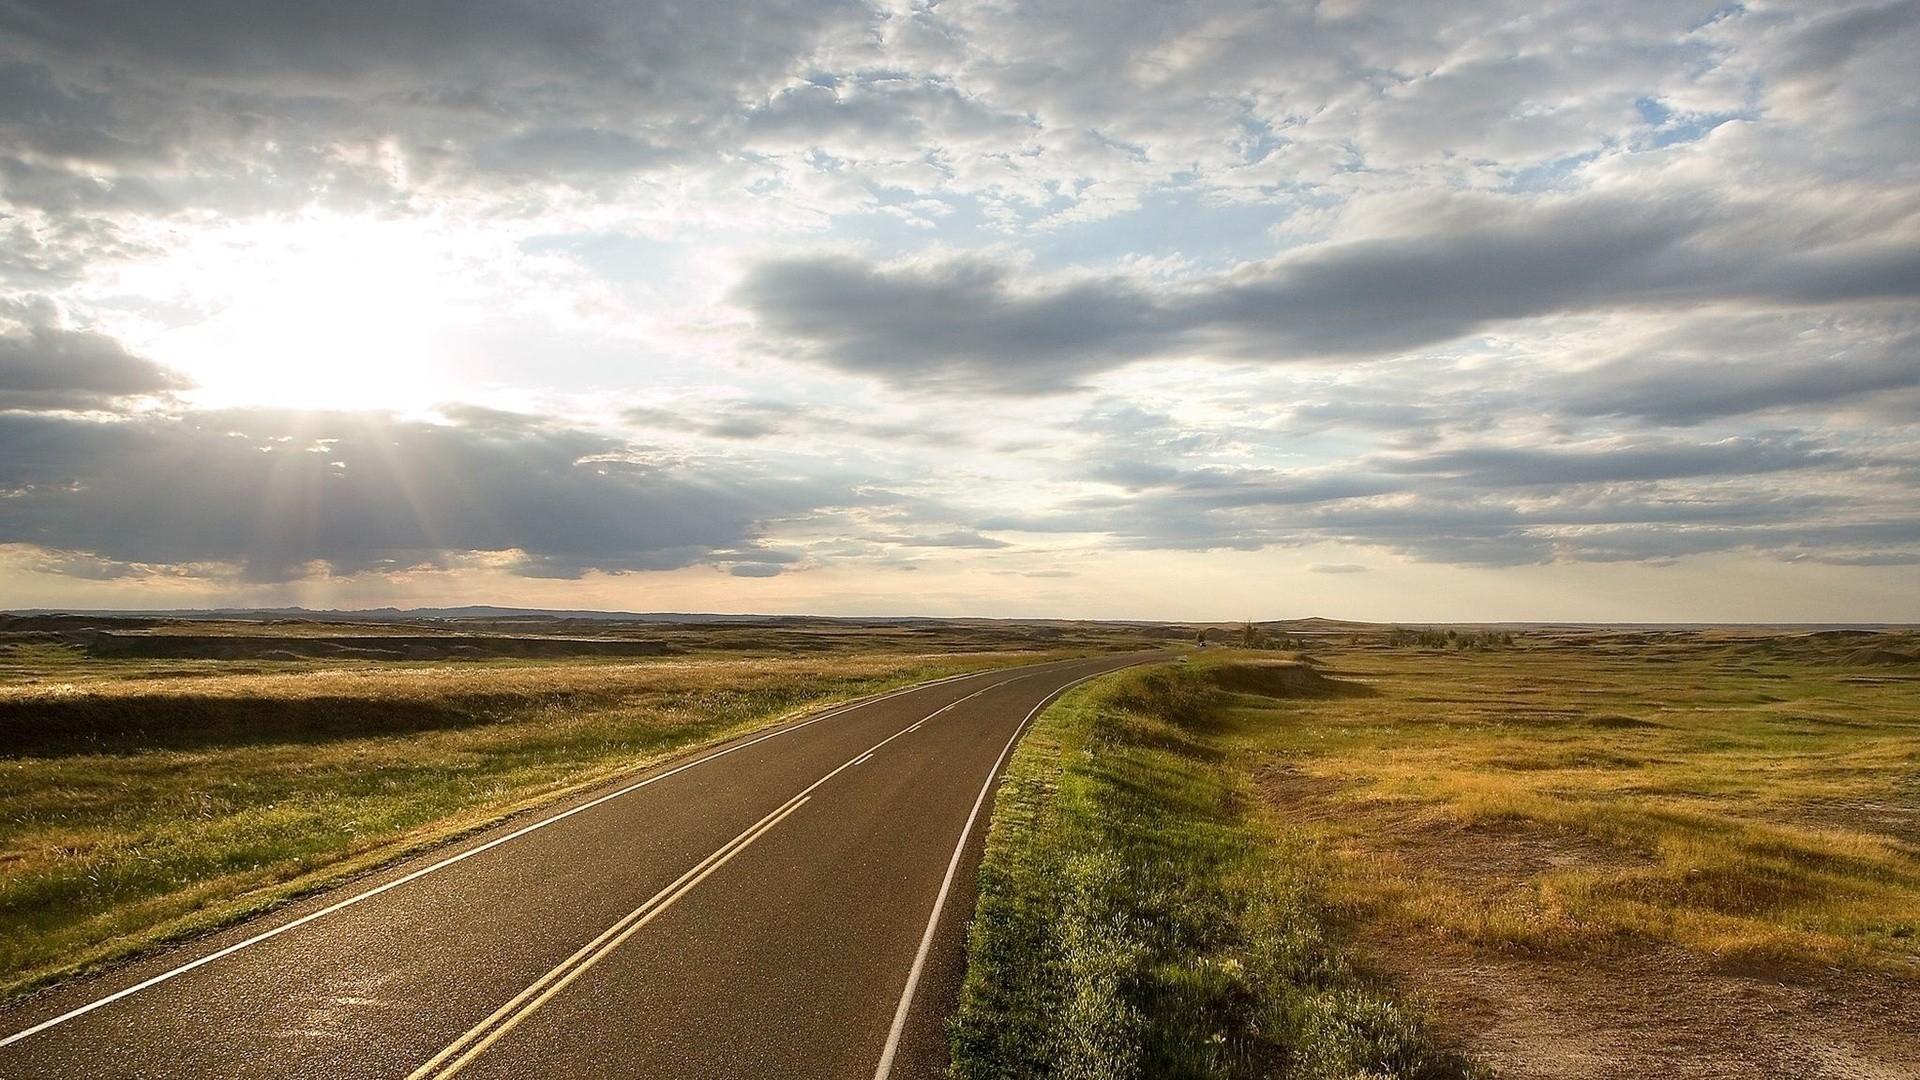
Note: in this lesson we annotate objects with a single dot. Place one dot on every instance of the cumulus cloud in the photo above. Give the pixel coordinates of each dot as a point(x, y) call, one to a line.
point(1663, 459)
point(1482, 284)
point(760, 420)
point(1714, 368)
point(1786, 495)
point(47, 367)
point(274, 493)
point(954, 324)
point(980, 325)
point(370, 102)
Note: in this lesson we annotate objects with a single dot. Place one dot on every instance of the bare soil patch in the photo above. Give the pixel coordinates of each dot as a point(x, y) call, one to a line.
point(1651, 1010)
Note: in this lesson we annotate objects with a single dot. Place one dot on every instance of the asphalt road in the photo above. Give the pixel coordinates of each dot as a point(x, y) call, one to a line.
point(792, 904)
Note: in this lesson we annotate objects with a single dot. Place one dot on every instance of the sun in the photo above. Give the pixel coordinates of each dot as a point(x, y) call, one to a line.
point(312, 312)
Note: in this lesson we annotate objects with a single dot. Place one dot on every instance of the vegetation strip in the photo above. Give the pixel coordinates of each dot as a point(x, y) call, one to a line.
point(1137, 919)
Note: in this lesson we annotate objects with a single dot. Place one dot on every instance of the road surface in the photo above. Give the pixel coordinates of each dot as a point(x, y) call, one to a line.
point(792, 904)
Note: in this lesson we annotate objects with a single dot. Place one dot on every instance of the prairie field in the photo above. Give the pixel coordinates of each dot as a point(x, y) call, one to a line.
point(1325, 850)
point(147, 797)
point(1537, 853)
point(1696, 853)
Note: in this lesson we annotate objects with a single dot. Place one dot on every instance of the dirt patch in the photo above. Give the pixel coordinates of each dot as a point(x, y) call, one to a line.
point(1307, 798)
point(1500, 853)
point(1655, 1011)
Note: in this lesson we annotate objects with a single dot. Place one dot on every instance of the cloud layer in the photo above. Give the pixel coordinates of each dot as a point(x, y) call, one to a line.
point(272, 496)
point(293, 293)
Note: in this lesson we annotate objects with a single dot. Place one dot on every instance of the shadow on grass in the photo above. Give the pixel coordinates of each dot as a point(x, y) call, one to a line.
point(58, 727)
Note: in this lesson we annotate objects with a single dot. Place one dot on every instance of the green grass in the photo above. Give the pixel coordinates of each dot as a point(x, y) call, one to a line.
point(1137, 918)
point(136, 808)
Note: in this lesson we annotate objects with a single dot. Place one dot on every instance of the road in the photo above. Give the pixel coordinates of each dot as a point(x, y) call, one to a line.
point(792, 904)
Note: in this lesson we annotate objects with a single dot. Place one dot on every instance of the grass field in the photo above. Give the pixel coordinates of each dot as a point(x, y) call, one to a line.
point(1554, 854)
point(146, 799)
point(1420, 853)
point(1697, 853)
point(1742, 801)
point(1136, 919)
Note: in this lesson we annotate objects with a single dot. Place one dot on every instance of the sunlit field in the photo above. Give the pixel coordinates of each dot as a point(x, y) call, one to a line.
point(141, 799)
point(1621, 847)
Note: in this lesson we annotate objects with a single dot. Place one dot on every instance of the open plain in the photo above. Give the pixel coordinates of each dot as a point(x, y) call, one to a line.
point(1308, 849)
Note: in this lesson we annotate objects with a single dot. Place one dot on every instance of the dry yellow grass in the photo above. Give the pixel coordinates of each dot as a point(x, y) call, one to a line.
point(1759, 804)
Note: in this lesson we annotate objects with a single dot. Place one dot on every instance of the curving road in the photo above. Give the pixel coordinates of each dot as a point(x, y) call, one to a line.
point(792, 904)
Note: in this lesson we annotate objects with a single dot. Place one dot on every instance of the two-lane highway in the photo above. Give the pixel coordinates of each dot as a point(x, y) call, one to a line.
point(791, 904)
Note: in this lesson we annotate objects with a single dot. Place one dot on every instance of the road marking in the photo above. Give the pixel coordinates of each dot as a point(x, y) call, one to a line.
point(450, 860)
point(885, 1068)
point(573, 967)
point(525, 1003)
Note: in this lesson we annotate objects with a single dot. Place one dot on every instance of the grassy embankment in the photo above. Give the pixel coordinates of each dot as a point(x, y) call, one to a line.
point(1750, 802)
point(1139, 918)
point(136, 807)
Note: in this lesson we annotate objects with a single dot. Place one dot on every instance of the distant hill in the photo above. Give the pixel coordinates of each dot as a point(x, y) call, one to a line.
point(393, 614)
point(492, 613)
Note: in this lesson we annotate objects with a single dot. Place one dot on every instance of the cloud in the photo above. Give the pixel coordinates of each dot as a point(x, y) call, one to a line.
point(550, 153)
point(876, 115)
point(960, 323)
point(1336, 568)
point(1479, 284)
point(1665, 459)
point(1478, 261)
point(462, 97)
point(959, 538)
point(274, 494)
point(1787, 495)
point(1714, 368)
point(755, 570)
point(743, 420)
point(758, 420)
point(46, 367)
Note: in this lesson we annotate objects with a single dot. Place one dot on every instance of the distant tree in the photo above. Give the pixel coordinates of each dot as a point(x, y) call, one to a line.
point(1476, 640)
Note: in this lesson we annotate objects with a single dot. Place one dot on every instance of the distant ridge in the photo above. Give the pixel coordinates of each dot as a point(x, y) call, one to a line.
point(394, 614)
point(486, 611)
point(1308, 624)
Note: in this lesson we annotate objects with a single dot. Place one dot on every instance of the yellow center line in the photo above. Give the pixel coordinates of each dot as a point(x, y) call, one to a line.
point(477, 1039)
point(509, 1017)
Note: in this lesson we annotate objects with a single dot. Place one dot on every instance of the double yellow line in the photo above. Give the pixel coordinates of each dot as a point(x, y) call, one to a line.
point(483, 1035)
point(509, 1016)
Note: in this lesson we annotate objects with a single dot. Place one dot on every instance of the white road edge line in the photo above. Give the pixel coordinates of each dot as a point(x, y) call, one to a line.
point(885, 1069)
point(229, 950)
point(710, 865)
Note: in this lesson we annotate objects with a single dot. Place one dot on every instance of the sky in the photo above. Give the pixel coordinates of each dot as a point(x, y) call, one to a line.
point(1602, 310)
